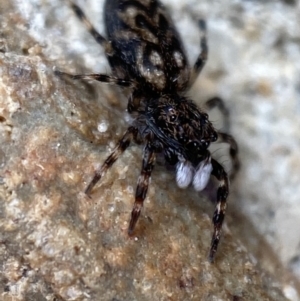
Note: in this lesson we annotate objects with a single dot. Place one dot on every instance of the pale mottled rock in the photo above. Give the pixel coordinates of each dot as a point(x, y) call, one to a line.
point(56, 242)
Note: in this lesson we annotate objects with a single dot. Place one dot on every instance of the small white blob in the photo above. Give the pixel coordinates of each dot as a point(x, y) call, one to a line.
point(184, 174)
point(202, 174)
point(102, 126)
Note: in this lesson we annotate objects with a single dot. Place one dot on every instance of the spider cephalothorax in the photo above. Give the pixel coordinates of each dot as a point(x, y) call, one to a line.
point(146, 55)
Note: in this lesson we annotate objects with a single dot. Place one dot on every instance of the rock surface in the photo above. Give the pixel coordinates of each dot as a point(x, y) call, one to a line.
point(57, 244)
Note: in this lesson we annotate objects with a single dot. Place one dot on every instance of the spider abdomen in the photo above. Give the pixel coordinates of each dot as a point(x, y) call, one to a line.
point(146, 45)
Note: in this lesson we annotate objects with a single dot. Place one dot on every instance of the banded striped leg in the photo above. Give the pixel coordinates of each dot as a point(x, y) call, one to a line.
point(233, 152)
point(99, 77)
point(142, 186)
point(96, 35)
point(217, 102)
point(107, 48)
point(223, 137)
point(202, 58)
point(120, 148)
point(219, 214)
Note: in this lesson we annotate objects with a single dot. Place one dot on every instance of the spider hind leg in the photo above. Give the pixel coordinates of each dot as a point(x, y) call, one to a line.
point(98, 77)
point(96, 35)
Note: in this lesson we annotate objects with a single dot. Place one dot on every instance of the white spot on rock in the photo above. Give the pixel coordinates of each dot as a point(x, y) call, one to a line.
point(102, 126)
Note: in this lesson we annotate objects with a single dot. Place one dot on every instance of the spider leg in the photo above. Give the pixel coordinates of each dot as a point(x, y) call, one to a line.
point(202, 58)
point(106, 46)
point(142, 186)
point(96, 35)
point(112, 158)
point(219, 214)
point(223, 137)
point(98, 77)
point(217, 102)
point(233, 152)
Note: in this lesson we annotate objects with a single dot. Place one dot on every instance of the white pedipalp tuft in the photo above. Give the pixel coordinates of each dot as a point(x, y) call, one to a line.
point(184, 174)
point(202, 174)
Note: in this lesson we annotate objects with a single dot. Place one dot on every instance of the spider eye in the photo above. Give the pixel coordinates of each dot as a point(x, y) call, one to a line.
point(173, 118)
point(183, 139)
point(172, 114)
point(214, 136)
point(205, 144)
point(193, 146)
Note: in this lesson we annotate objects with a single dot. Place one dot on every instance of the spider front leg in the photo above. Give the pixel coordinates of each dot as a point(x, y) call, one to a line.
point(202, 58)
point(233, 152)
point(223, 137)
point(130, 134)
point(217, 102)
point(142, 186)
point(219, 214)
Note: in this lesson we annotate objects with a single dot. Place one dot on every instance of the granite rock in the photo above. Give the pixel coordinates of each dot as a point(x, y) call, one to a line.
point(58, 244)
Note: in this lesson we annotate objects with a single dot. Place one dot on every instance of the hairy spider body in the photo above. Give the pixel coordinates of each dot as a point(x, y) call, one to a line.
point(145, 53)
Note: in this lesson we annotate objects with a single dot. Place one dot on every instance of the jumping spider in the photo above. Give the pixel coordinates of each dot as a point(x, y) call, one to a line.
point(146, 55)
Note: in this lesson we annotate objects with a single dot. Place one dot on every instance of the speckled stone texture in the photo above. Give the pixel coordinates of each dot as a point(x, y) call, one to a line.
point(58, 244)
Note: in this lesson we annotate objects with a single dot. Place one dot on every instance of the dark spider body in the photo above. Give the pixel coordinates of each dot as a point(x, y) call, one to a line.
point(146, 54)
